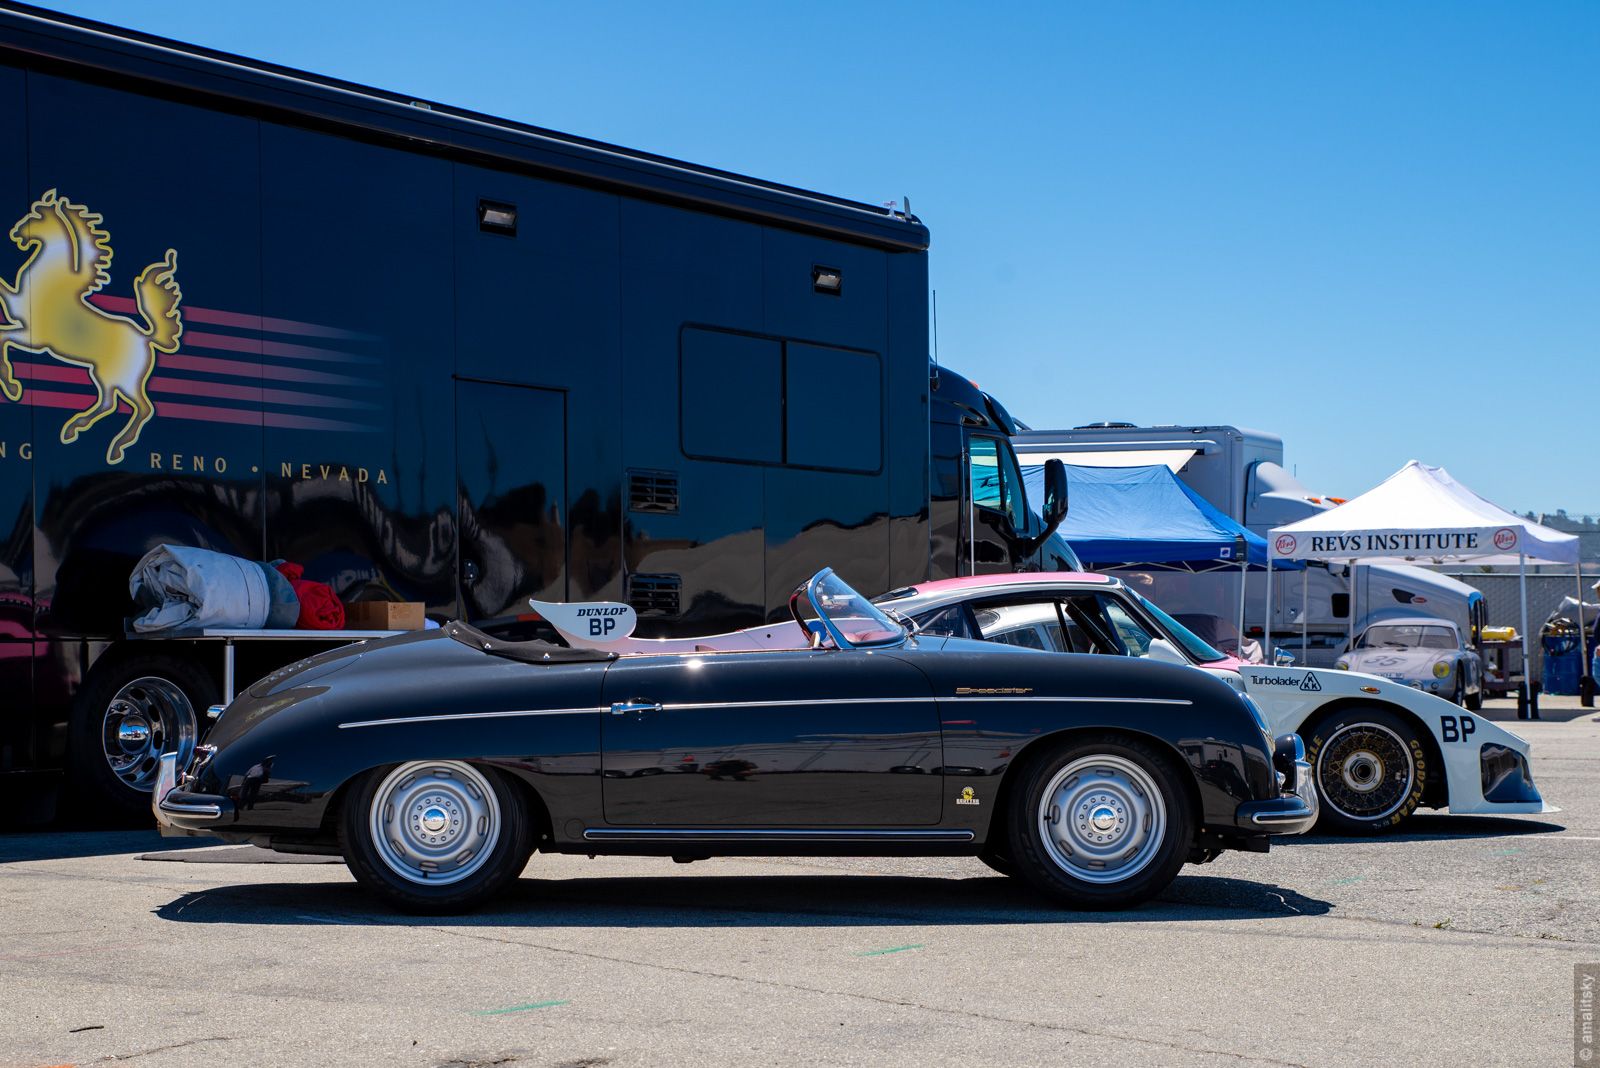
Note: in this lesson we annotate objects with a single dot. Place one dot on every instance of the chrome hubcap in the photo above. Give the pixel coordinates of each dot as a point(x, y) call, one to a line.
point(434, 822)
point(1102, 819)
point(146, 718)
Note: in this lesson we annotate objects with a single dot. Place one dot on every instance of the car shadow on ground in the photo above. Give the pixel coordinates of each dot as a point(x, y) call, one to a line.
point(1434, 827)
point(49, 843)
point(740, 901)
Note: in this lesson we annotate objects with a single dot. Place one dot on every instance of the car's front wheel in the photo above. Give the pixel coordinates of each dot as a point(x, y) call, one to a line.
point(435, 835)
point(1370, 767)
point(1101, 824)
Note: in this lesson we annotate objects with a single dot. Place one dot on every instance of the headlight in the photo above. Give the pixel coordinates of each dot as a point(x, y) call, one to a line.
point(1341, 665)
point(1441, 669)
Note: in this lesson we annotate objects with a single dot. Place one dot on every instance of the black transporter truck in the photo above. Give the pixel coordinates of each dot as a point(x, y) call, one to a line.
point(432, 356)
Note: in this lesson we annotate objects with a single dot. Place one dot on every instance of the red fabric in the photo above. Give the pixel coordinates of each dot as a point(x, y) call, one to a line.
point(320, 609)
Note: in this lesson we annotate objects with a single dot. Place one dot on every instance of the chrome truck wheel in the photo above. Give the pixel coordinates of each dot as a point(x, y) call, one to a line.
point(133, 708)
point(435, 835)
point(1370, 767)
point(1101, 824)
point(148, 716)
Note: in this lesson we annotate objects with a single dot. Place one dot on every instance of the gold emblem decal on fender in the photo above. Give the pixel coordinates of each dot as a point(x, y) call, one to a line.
point(990, 691)
point(966, 797)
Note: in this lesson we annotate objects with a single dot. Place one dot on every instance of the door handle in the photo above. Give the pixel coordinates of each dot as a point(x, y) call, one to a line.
point(638, 708)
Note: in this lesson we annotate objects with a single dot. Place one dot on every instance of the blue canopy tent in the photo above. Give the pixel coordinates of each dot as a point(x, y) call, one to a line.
point(1145, 516)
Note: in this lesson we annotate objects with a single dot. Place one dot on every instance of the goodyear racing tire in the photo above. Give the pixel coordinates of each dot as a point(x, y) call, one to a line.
point(435, 836)
point(1100, 824)
point(1371, 767)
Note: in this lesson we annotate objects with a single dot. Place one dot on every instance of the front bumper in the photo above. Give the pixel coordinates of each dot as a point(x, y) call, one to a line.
point(180, 813)
point(1295, 809)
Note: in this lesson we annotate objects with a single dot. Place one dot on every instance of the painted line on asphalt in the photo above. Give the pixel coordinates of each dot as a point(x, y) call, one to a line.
point(891, 949)
point(520, 1008)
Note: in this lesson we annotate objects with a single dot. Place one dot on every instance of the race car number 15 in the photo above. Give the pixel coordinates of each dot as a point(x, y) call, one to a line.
point(1456, 728)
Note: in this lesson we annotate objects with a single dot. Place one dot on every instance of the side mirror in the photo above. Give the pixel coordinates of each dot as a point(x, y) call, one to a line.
point(1282, 657)
point(1055, 493)
point(1165, 652)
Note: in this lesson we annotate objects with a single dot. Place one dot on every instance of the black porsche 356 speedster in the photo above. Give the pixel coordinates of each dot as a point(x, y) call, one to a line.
point(437, 763)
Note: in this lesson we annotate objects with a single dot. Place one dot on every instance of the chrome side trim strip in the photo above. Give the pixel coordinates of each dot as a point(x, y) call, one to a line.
point(447, 717)
point(444, 717)
point(729, 834)
point(1082, 700)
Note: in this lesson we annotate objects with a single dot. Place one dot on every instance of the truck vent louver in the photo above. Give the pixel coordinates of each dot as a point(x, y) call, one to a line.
point(655, 594)
point(652, 491)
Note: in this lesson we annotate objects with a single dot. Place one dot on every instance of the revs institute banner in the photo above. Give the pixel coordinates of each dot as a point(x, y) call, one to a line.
point(1418, 545)
point(1421, 515)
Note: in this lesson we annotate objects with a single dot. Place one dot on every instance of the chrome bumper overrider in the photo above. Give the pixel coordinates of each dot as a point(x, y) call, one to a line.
point(178, 809)
point(1296, 810)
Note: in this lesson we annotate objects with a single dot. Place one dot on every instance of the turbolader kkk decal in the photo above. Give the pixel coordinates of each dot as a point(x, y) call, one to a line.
point(47, 310)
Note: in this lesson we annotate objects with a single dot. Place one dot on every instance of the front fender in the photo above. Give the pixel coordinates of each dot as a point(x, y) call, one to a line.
point(1292, 698)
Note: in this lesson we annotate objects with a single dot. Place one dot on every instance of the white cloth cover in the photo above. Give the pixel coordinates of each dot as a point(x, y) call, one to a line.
point(1421, 515)
point(192, 588)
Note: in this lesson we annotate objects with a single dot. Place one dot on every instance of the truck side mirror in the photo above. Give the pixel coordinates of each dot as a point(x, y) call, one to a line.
point(1055, 493)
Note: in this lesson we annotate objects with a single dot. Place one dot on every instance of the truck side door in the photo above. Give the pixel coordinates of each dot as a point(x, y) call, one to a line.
point(997, 517)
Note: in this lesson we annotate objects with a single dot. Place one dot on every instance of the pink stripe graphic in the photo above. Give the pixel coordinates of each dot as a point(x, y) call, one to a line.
point(50, 372)
point(202, 339)
point(226, 391)
point(243, 369)
point(237, 320)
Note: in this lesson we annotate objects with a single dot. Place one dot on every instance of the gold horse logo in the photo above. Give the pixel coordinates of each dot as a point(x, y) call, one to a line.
point(47, 310)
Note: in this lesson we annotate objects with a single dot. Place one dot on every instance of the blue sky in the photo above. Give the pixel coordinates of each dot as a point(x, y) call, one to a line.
point(1371, 228)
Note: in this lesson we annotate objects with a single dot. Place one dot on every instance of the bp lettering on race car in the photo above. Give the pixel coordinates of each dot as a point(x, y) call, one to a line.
point(1457, 728)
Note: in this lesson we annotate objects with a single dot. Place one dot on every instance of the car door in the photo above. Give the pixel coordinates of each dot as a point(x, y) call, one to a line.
point(817, 738)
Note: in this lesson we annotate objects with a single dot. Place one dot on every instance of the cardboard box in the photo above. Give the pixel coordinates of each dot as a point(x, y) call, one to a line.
point(383, 615)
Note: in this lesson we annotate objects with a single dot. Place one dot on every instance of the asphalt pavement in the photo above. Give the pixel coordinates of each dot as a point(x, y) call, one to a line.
point(1452, 943)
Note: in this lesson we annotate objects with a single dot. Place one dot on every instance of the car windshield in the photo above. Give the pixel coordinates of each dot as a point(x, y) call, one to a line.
point(850, 618)
point(1407, 636)
point(1191, 642)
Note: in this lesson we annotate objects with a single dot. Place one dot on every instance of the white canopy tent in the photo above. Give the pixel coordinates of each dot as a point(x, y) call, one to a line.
point(1420, 515)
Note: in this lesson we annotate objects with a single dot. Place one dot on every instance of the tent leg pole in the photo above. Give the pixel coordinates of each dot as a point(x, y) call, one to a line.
point(1527, 708)
point(1266, 630)
point(1244, 568)
point(1585, 679)
point(1305, 612)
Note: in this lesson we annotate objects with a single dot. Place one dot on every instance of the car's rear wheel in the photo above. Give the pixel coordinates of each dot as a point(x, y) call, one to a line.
point(1100, 824)
point(435, 835)
point(1370, 767)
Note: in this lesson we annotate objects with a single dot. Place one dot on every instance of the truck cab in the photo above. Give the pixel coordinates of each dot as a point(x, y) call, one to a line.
point(980, 517)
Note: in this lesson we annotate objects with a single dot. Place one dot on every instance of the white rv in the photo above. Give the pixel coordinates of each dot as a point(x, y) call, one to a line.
point(1241, 472)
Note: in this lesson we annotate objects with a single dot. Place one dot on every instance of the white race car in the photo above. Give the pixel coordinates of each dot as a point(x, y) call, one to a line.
point(1380, 749)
